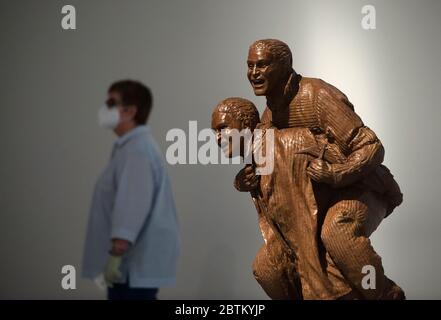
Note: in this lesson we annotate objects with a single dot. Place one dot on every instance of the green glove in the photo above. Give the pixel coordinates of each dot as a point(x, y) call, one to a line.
point(111, 271)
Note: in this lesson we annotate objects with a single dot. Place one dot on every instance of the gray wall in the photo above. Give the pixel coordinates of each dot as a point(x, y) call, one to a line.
point(192, 54)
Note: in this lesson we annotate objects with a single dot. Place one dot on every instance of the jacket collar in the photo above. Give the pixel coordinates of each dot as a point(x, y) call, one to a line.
point(290, 90)
point(131, 134)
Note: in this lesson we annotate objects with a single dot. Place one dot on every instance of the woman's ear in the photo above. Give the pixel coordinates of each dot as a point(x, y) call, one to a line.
point(131, 112)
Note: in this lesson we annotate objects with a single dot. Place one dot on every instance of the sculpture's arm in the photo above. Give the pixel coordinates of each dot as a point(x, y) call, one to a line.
point(363, 149)
point(367, 153)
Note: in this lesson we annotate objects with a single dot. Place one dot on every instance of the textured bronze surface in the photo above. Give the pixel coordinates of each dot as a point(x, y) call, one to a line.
point(328, 191)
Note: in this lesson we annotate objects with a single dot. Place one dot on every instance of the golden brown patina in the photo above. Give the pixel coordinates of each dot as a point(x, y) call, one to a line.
point(328, 192)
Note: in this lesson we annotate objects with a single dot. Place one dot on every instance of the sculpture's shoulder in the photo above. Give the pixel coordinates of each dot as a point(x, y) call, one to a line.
point(303, 111)
point(315, 86)
point(312, 84)
point(312, 88)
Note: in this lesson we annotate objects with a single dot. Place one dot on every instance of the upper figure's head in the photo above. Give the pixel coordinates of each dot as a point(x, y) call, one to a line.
point(233, 113)
point(269, 66)
point(133, 100)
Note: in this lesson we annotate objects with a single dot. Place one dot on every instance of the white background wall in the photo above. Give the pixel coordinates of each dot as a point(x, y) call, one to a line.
point(192, 54)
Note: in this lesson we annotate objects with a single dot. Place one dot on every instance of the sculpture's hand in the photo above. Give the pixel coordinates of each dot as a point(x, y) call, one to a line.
point(246, 179)
point(320, 171)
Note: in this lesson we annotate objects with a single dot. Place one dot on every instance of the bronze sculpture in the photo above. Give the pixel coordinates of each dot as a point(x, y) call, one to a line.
point(328, 191)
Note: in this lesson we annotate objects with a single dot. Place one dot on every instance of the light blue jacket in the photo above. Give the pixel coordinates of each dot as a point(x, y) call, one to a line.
point(133, 200)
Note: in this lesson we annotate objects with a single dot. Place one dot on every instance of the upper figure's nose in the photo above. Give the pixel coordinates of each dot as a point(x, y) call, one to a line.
point(255, 72)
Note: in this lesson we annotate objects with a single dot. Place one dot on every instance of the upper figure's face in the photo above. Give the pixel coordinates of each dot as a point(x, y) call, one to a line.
point(264, 72)
point(224, 122)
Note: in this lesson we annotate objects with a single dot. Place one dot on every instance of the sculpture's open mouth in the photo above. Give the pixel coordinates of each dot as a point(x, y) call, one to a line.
point(257, 83)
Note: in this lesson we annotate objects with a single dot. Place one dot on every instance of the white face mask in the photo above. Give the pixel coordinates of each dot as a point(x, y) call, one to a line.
point(108, 118)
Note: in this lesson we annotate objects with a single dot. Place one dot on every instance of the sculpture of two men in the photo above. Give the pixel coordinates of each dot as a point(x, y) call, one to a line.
point(328, 190)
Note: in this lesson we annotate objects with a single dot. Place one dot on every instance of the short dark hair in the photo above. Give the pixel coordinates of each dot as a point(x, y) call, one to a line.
point(278, 49)
point(137, 94)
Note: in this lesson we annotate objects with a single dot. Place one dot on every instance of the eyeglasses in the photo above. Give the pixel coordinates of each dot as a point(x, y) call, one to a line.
point(112, 103)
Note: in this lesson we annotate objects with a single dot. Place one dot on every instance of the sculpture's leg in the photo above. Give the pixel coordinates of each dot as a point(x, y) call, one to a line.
point(349, 222)
point(271, 271)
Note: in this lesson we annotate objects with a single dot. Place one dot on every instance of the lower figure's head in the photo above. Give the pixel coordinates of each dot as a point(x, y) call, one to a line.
point(232, 119)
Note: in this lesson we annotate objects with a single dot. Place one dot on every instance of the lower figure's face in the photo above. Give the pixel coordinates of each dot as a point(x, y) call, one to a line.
point(264, 73)
point(223, 124)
